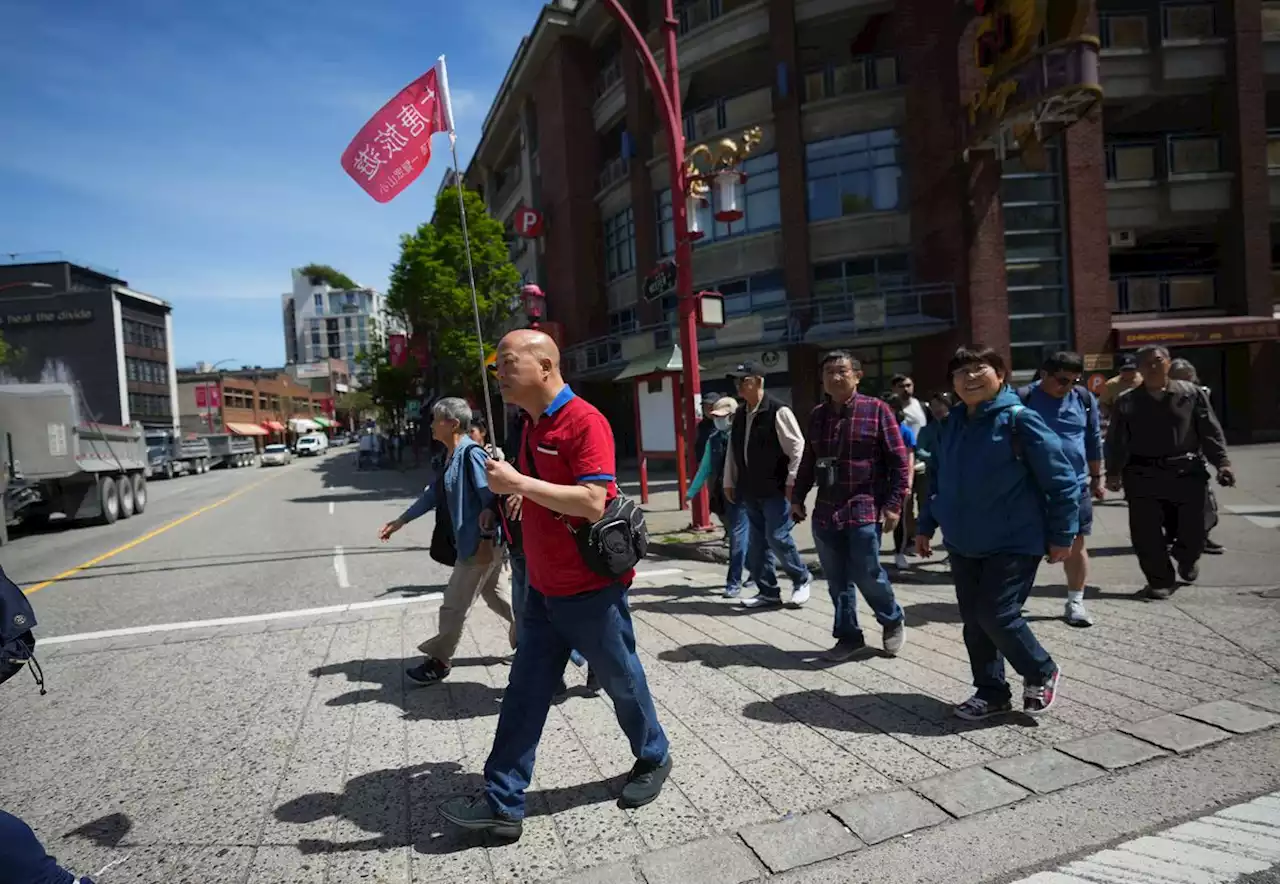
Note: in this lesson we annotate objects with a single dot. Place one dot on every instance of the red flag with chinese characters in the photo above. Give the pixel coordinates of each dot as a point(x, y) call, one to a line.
point(397, 349)
point(393, 148)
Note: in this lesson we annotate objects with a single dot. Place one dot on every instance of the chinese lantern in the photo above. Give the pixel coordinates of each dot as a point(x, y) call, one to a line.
point(728, 208)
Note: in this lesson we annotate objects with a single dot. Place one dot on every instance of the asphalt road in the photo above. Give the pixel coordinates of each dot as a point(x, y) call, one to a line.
point(232, 543)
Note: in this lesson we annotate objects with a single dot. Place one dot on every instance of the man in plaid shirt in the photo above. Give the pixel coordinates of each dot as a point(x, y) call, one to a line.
point(854, 453)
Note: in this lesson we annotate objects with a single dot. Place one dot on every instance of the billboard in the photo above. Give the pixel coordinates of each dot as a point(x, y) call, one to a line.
point(305, 371)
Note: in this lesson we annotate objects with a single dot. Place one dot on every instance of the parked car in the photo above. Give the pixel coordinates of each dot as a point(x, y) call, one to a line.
point(276, 456)
point(312, 444)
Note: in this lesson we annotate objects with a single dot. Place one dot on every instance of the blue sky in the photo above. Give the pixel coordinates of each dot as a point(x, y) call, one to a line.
point(195, 146)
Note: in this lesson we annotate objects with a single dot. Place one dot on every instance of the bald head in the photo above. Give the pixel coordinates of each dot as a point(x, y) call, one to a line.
point(529, 370)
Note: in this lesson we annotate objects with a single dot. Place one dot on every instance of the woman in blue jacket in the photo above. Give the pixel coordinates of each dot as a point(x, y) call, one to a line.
point(711, 474)
point(1005, 496)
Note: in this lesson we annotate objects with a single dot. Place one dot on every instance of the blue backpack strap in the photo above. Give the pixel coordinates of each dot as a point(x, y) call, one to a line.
point(1016, 442)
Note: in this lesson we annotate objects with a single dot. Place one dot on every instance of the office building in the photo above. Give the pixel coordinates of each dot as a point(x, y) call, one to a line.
point(322, 322)
point(867, 223)
point(75, 323)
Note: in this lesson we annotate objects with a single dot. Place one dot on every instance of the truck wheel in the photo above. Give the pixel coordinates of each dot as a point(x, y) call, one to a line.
point(168, 471)
point(139, 493)
point(109, 500)
point(124, 491)
point(202, 466)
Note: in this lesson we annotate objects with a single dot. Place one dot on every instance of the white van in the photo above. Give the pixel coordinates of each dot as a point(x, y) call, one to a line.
point(312, 443)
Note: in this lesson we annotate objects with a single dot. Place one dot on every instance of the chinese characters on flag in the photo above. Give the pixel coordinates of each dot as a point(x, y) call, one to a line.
point(393, 148)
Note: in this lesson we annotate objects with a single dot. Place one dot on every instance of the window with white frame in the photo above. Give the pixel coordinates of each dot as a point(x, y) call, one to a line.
point(619, 244)
point(1131, 161)
point(1188, 21)
point(759, 201)
point(319, 302)
point(854, 174)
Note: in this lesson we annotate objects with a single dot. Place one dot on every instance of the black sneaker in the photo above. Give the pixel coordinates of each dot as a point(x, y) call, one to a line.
point(895, 636)
point(1189, 571)
point(976, 709)
point(845, 649)
point(1158, 593)
point(644, 783)
point(1212, 548)
point(429, 671)
point(476, 815)
point(593, 682)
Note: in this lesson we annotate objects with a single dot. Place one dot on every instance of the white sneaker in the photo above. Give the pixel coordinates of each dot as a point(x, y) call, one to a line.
point(800, 594)
point(900, 561)
point(1076, 615)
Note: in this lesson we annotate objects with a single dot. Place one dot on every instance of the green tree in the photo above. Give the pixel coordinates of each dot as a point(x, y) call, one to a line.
point(6, 352)
point(391, 386)
point(318, 273)
point(430, 291)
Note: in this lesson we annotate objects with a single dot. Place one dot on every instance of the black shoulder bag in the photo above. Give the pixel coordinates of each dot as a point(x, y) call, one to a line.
point(612, 545)
point(444, 542)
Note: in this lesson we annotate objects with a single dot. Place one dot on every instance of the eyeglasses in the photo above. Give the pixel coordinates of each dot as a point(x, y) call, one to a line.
point(1066, 381)
point(973, 371)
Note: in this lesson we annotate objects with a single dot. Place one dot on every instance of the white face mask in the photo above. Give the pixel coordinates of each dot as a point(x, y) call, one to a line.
point(722, 423)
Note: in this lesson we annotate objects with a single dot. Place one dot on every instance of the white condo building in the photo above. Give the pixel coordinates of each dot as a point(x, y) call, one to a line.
point(321, 322)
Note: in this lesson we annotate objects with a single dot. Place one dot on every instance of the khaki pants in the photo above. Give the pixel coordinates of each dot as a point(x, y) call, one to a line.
point(470, 578)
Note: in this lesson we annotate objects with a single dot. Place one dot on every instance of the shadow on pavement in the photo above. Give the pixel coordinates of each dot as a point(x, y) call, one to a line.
point(401, 805)
point(105, 831)
point(715, 656)
point(449, 700)
point(918, 715)
point(413, 590)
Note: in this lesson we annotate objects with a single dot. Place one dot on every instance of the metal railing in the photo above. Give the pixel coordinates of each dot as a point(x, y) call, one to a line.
point(827, 318)
point(1163, 292)
point(609, 75)
point(614, 171)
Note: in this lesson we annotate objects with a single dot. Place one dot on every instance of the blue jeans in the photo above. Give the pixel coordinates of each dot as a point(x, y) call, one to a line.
point(520, 592)
point(851, 561)
point(990, 592)
point(598, 623)
point(735, 525)
point(23, 859)
point(770, 542)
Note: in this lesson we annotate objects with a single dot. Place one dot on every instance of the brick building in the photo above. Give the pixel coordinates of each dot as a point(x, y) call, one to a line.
point(267, 404)
point(867, 226)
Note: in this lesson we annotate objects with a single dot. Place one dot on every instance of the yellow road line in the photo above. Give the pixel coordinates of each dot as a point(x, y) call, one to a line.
point(145, 537)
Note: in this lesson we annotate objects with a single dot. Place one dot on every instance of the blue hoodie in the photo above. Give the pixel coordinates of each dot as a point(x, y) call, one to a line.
point(985, 498)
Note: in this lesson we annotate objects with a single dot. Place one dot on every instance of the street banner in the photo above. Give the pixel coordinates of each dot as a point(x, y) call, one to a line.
point(397, 350)
point(394, 147)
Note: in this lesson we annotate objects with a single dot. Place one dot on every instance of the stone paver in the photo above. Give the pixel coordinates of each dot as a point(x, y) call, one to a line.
point(799, 841)
point(885, 815)
point(973, 790)
point(613, 873)
point(1045, 771)
point(1175, 733)
point(724, 860)
point(1264, 698)
point(1111, 750)
point(1231, 716)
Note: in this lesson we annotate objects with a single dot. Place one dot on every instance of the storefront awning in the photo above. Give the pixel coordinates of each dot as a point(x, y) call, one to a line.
point(302, 425)
point(1207, 331)
point(273, 426)
point(246, 429)
point(322, 422)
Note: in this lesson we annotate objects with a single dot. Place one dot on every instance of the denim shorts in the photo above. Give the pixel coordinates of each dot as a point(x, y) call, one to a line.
point(1086, 513)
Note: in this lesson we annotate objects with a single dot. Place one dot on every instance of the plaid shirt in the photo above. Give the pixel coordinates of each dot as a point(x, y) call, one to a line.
point(870, 458)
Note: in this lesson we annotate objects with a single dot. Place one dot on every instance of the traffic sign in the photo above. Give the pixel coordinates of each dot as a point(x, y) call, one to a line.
point(661, 282)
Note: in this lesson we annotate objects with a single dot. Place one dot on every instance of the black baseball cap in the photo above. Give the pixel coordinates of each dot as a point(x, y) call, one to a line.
point(749, 368)
point(1128, 362)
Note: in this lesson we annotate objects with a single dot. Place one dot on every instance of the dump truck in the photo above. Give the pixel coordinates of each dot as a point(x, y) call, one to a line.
point(61, 462)
point(170, 454)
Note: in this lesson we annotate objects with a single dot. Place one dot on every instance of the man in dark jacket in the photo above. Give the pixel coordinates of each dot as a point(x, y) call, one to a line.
point(765, 449)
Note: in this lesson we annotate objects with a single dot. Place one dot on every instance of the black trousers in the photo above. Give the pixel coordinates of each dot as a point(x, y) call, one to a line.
point(1172, 501)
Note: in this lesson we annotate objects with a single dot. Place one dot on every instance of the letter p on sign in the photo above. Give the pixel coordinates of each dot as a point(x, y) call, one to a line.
point(528, 222)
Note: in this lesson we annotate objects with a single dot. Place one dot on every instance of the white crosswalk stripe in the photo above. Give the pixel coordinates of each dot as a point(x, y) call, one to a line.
point(1262, 515)
point(1216, 849)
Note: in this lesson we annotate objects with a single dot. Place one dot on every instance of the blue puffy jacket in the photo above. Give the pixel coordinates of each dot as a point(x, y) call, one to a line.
point(991, 494)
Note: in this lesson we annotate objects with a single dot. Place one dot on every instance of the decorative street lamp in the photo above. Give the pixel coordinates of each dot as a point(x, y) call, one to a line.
point(689, 189)
point(208, 392)
point(535, 304)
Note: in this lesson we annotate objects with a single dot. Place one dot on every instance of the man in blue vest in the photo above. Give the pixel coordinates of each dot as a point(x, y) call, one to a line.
point(1071, 411)
point(765, 449)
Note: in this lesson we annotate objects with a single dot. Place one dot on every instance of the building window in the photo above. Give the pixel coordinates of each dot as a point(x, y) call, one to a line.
point(1270, 20)
point(1273, 150)
point(759, 203)
point(1159, 293)
point(1194, 154)
point(1188, 21)
point(620, 244)
point(319, 302)
point(853, 174)
point(1124, 31)
point(1036, 280)
point(623, 322)
point(864, 74)
point(1131, 162)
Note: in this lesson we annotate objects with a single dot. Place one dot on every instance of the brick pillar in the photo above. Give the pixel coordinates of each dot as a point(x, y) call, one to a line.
point(642, 124)
point(570, 165)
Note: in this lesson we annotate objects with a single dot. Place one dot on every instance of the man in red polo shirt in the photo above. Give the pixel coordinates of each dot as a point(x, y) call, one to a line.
point(566, 478)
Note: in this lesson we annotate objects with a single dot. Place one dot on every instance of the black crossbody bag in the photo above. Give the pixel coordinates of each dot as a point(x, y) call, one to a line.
point(616, 542)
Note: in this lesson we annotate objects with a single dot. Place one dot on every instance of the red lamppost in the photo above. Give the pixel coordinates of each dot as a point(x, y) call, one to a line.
point(208, 392)
point(688, 187)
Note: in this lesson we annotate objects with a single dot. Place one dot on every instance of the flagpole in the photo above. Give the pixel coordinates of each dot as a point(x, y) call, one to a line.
point(466, 241)
point(475, 300)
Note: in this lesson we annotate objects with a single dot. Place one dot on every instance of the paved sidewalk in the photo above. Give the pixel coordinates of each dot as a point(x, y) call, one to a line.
point(293, 750)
